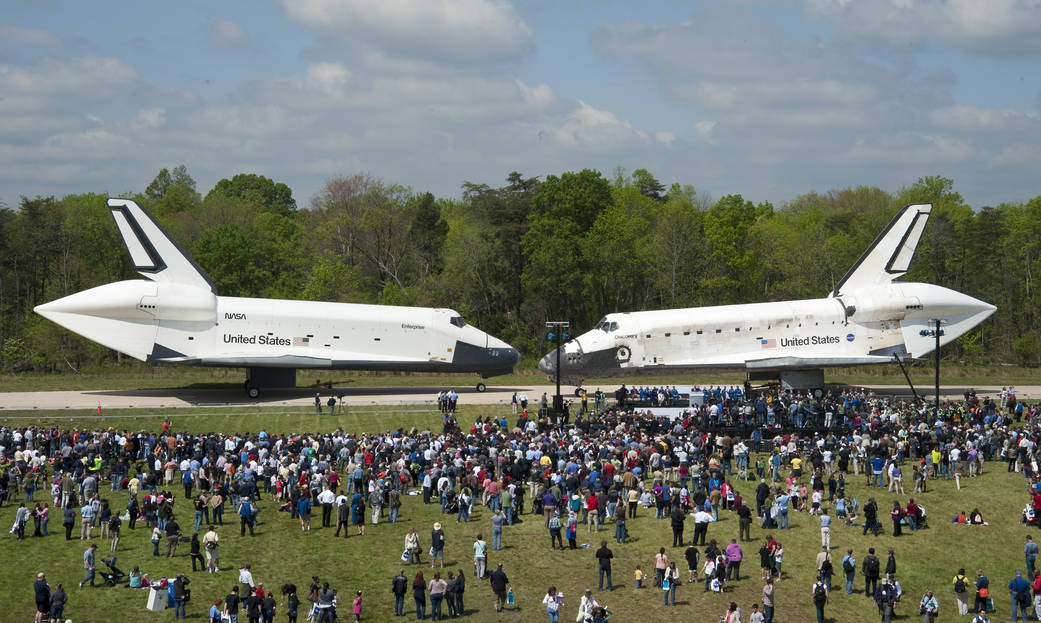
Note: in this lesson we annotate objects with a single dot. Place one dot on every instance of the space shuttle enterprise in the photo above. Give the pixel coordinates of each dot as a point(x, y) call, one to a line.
point(868, 318)
point(176, 316)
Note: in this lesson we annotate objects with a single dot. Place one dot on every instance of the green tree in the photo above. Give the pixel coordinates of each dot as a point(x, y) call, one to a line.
point(226, 254)
point(727, 226)
point(427, 234)
point(262, 192)
point(171, 192)
point(647, 185)
point(555, 275)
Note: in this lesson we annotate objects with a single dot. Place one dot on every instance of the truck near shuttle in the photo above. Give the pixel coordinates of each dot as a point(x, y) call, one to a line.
point(868, 318)
point(176, 316)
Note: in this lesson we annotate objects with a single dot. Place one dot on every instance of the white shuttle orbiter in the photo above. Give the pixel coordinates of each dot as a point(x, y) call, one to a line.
point(867, 319)
point(176, 316)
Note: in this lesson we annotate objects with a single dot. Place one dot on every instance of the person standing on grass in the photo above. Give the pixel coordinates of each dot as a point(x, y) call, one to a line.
point(173, 534)
point(929, 607)
point(498, 519)
point(69, 517)
point(437, 545)
point(358, 512)
point(961, 592)
point(672, 581)
point(180, 594)
point(58, 601)
point(195, 553)
point(661, 563)
point(1019, 591)
point(437, 594)
point(820, 598)
point(500, 585)
point(343, 516)
point(552, 602)
point(460, 588)
point(303, 510)
point(88, 564)
point(768, 601)
point(211, 545)
point(232, 604)
point(42, 591)
point(849, 568)
point(1030, 552)
point(399, 586)
point(480, 556)
point(246, 580)
point(871, 568)
point(215, 616)
point(419, 587)
point(604, 556)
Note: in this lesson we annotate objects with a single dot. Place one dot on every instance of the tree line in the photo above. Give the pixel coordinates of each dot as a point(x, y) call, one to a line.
point(573, 246)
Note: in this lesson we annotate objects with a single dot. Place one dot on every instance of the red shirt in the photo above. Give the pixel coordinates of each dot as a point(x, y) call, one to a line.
point(591, 503)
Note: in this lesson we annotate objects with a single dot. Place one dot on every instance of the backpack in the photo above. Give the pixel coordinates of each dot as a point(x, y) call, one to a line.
point(826, 567)
point(871, 567)
point(959, 584)
point(819, 593)
point(848, 567)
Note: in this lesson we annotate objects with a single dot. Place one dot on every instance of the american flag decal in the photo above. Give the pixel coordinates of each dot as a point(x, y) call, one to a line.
point(301, 341)
point(771, 343)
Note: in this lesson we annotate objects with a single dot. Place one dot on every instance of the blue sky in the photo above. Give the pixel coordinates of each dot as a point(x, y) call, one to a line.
point(769, 99)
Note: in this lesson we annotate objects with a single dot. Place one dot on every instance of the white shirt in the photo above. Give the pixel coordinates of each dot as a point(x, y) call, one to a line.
point(245, 577)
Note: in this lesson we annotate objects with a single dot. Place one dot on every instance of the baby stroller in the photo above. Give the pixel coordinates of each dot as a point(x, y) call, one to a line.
point(115, 576)
point(600, 614)
point(922, 523)
point(452, 505)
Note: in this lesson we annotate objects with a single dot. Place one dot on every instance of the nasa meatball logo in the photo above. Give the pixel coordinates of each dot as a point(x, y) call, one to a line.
point(850, 337)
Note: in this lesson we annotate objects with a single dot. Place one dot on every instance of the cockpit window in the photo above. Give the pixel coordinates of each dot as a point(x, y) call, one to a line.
point(606, 326)
point(458, 321)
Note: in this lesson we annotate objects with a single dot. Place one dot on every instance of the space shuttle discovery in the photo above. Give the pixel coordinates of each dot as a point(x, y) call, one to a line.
point(869, 318)
point(176, 316)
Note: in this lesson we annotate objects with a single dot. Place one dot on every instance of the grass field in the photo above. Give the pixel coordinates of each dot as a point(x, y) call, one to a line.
point(281, 553)
point(140, 376)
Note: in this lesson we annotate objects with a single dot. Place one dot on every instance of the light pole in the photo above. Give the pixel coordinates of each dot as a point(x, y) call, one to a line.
point(935, 331)
point(556, 328)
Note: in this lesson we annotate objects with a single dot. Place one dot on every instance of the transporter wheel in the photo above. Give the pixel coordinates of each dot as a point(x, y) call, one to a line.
point(481, 387)
point(252, 392)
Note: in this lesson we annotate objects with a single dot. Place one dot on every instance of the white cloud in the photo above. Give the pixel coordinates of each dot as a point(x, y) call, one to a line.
point(988, 26)
point(972, 118)
point(910, 148)
point(227, 34)
point(151, 118)
point(87, 75)
point(704, 130)
point(29, 36)
point(455, 31)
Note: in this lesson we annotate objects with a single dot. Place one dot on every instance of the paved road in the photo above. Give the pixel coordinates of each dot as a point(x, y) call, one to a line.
point(355, 396)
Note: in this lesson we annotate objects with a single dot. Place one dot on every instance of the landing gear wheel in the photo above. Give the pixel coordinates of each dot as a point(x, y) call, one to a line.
point(578, 392)
point(252, 392)
point(481, 387)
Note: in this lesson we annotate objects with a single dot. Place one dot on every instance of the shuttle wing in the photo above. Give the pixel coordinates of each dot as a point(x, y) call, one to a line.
point(889, 256)
point(154, 254)
point(803, 362)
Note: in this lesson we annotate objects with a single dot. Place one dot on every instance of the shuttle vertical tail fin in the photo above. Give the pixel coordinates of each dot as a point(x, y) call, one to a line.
point(154, 254)
point(889, 256)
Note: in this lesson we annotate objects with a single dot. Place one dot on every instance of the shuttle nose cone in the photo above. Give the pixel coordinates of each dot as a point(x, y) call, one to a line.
point(548, 364)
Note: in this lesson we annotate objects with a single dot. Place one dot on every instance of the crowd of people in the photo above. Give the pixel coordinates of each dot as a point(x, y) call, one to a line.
point(577, 476)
